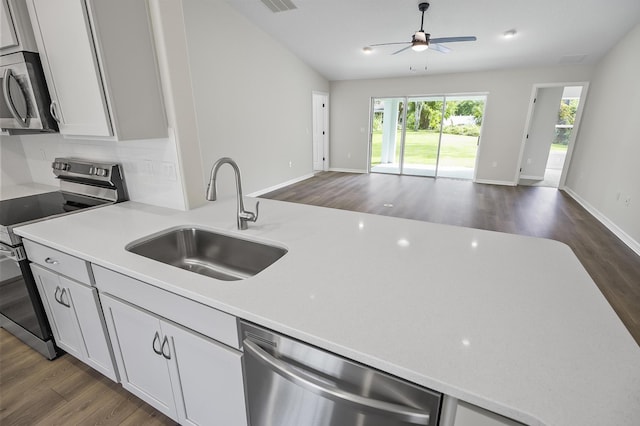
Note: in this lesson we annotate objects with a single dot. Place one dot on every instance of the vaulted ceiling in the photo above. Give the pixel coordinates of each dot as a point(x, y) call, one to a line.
point(329, 35)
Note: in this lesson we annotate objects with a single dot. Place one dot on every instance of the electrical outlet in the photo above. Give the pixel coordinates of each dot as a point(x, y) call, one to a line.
point(145, 168)
point(168, 170)
point(290, 164)
point(627, 201)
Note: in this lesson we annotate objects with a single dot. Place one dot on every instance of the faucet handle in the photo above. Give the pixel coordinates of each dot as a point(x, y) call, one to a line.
point(254, 217)
point(250, 216)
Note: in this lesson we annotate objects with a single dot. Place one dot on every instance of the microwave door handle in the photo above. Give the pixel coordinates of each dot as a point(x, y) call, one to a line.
point(309, 383)
point(6, 79)
point(53, 109)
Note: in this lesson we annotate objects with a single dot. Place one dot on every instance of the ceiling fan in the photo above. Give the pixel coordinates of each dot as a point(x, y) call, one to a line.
point(421, 41)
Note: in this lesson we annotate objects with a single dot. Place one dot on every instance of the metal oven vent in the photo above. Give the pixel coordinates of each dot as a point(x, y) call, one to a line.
point(279, 5)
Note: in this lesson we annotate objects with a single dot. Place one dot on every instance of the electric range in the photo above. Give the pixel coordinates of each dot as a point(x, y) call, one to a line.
point(83, 185)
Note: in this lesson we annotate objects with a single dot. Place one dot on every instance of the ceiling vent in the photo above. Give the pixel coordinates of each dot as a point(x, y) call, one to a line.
point(572, 59)
point(279, 5)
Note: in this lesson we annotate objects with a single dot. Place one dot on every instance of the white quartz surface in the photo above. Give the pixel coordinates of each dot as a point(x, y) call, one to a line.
point(510, 323)
point(8, 192)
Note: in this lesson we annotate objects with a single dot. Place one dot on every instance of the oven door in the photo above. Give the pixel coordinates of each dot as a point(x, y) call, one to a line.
point(24, 100)
point(19, 299)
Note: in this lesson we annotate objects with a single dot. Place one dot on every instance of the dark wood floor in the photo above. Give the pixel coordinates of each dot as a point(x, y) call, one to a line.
point(34, 391)
point(534, 211)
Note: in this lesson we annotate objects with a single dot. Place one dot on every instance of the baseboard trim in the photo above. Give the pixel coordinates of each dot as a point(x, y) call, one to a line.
point(334, 169)
point(531, 177)
point(626, 238)
point(280, 185)
point(495, 182)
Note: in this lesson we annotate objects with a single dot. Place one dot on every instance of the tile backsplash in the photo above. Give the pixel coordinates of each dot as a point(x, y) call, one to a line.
point(150, 167)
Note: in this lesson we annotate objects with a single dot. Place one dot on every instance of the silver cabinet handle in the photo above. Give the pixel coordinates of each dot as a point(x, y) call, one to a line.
point(51, 261)
point(53, 109)
point(165, 343)
point(318, 387)
point(6, 80)
point(156, 338)
point(56, 296)
point(59, 294)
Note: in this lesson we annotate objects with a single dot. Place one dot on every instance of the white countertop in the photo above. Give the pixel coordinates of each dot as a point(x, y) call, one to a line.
point(512, 324)
point(24, 190)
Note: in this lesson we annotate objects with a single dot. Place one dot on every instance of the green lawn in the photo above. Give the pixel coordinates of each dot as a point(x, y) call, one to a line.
point(422, 147)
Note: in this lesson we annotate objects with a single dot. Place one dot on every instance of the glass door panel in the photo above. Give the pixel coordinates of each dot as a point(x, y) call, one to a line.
point(387, 135)
point(435, 136)
point(460, 136)
point(424, 119)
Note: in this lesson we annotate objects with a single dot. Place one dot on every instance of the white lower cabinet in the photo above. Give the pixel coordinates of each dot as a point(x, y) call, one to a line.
point(76, 319)
point(470, 415)
point(189, 377)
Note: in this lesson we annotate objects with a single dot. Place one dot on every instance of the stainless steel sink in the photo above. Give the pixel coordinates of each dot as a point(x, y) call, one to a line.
point(207, 253)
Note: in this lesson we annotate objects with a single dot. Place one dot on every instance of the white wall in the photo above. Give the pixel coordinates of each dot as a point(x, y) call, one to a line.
point(150, 166)
point(14, 169)
point(509, 94)
point(607, 150)
point(253, 98)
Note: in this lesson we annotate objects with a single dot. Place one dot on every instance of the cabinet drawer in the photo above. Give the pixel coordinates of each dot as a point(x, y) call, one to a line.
point(58, 261)
point(204, 319)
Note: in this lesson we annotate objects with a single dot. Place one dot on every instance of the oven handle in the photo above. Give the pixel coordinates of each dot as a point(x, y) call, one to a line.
point(15, 254)
point(8, 75)
point(311, 384)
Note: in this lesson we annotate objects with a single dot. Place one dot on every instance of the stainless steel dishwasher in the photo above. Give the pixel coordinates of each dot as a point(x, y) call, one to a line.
point(290, 383)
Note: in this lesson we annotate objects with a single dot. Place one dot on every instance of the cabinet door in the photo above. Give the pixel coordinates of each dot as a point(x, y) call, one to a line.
point(58, 304)
point(470, 415)
point(137, 343)
point(207, 378)
point(8, 38)
point(92, 329)
point(70, 64)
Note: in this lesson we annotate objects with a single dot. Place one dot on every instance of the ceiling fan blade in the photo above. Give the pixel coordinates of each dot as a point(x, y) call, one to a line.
point(452, 39)
point(439, 48)
point(402, 50)
point(388, 44)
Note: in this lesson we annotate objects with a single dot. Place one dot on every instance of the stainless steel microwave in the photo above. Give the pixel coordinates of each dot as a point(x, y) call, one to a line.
point(25, 103)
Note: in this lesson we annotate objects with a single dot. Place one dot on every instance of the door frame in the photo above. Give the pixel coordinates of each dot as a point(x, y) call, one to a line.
point(574, 133)
point(325, 139)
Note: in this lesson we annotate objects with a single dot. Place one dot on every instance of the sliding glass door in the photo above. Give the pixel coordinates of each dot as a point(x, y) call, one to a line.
point(422, 136)
point(434, 136)
point(387, 132)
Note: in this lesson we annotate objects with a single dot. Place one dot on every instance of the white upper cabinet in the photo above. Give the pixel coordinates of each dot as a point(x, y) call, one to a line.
point(99, 62)
point(16, 33)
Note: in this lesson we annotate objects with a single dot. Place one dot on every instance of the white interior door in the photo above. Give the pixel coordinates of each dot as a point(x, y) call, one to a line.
point(541, 132)
point(320, 131)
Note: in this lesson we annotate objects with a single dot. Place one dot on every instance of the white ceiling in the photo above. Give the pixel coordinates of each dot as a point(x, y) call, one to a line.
point(329, 34)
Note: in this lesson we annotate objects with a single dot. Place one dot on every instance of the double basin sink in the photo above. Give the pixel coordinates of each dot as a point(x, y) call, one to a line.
point(207, 253)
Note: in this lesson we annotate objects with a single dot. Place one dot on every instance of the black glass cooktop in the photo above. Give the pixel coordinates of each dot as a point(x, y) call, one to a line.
point(33, 207)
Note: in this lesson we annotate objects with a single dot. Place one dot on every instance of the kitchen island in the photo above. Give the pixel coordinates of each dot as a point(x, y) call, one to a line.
point(509, 323)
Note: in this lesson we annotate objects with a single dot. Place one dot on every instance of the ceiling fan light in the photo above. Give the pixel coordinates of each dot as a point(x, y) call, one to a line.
point(419, 46)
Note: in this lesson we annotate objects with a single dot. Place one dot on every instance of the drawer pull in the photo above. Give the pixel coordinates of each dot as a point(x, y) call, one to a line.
point(51, 261)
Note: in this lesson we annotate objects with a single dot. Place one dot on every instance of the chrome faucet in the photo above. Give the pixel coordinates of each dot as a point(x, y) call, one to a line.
point(243, 216)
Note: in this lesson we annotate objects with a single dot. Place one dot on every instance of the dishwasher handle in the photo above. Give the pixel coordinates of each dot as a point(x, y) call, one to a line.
point(318, 387)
